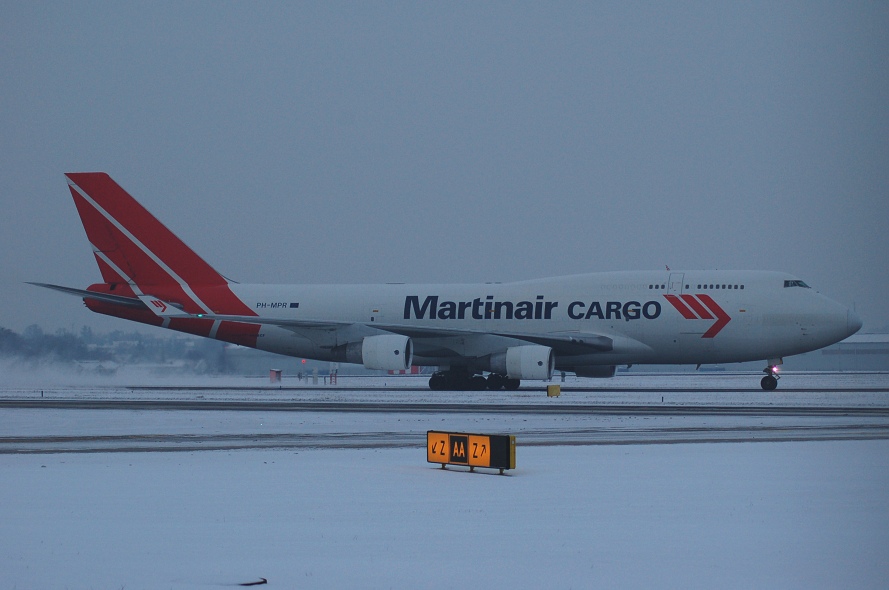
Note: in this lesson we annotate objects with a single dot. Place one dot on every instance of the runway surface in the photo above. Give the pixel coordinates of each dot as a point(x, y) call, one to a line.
point(377, 440)
point(446, 408)
point(171, 418)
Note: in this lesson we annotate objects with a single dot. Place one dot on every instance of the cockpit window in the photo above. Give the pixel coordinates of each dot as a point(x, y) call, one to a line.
point(796, 283)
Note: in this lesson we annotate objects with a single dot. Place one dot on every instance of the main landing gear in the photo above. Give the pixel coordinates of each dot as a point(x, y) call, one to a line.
point(464, 381)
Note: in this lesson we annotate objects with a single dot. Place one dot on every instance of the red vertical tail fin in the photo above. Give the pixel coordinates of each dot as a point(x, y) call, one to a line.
point(131, 246)
point(138, 255)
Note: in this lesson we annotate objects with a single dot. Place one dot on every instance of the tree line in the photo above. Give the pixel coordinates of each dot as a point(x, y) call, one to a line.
point(117, 346)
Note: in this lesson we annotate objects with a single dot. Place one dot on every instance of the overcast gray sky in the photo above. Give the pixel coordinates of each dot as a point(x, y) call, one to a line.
point(441, 142)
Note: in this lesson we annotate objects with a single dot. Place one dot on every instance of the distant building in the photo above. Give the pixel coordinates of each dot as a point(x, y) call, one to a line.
point(241, 360)
point(860, 352)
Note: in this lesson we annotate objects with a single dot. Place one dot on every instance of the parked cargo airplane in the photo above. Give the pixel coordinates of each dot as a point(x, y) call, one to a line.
point(587, 323)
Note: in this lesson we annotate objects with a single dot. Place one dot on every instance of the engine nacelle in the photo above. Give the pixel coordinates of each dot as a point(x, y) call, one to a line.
point(525, 362)
point(600, 371)
point(388, 352)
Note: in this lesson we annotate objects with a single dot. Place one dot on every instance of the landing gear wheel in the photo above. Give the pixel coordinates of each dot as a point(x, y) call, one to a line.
point(438, 382)
point(769, 383)
point(512, 384)
point(456, 381)
point(477, 383)
point(496, 382)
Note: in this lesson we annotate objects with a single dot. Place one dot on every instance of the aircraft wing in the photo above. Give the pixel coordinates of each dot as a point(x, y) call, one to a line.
point(563, 343)
point(569, 343)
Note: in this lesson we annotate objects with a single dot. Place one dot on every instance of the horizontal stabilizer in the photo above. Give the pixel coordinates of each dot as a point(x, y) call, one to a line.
point(163, 309)
point(106, 297)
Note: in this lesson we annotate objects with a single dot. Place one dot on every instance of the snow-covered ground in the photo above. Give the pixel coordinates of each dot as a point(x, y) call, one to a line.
point(747, 515)
point(742, 515)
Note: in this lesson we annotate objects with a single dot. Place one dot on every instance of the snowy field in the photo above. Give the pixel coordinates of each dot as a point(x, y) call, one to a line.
point(717, 515)
point(747, 515)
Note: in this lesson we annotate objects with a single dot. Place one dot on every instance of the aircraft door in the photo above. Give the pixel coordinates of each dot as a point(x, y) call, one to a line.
point(675, 285)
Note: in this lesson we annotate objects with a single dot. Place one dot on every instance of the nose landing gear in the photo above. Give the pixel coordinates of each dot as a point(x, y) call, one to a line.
point(770, 381)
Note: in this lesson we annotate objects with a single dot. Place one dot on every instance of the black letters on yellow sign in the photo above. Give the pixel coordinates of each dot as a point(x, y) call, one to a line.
point(479, 455)
point(459, 444)
point(437, 450)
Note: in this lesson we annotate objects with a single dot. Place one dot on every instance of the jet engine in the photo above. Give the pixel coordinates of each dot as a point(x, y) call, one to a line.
point(524, 362)
point(387, 352)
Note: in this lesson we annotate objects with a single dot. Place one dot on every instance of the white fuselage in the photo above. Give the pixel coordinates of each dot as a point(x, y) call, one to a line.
point(651, 317)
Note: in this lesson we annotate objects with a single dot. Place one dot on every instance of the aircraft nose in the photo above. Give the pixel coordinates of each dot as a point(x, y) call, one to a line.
point(853, 322)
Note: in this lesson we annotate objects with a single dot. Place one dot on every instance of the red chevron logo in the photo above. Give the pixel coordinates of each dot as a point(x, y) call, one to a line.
point(700, 306)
